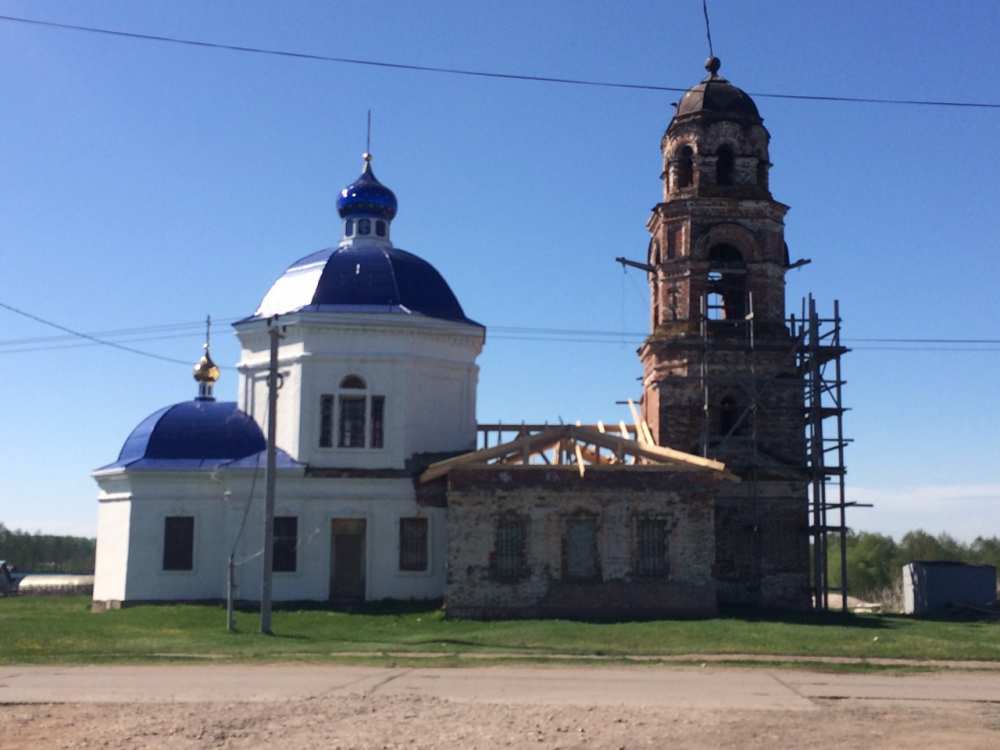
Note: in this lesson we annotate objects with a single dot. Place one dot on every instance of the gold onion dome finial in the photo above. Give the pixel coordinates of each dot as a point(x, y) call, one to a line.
point(205, 370)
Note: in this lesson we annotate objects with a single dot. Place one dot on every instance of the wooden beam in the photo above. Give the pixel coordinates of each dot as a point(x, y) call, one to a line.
point(579, 459)
point(655, 452)
point(639, 434)
point(441, 468)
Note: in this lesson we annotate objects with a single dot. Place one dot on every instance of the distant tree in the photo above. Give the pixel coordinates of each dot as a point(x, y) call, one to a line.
point(875, 561)
point(986, 551)
point(47, 553)
point(870, 562)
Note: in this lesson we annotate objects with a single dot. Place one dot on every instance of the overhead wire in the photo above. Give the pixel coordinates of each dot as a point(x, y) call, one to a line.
point(95, 339)
point(503, 333)
point(475, 73)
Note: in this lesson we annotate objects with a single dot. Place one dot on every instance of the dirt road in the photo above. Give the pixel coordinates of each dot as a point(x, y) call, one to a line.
point(293, 706)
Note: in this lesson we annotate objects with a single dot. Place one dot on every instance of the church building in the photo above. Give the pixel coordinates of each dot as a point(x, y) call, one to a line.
point(387, 488)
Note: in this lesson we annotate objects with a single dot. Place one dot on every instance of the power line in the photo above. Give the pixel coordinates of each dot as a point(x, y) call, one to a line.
point(162, 327)
point(708, 27)
point(504, 333)
point(82, 335)
point(477, 73)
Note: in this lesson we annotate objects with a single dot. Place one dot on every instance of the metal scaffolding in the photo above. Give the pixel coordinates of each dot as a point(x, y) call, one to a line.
point(816, 351)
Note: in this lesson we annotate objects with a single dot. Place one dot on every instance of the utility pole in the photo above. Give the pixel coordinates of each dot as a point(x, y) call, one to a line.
point(269, 476)
point(230, 594)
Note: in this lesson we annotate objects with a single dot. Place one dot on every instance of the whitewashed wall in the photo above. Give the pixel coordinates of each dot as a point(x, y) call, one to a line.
point(424, 367)
point(134, 505)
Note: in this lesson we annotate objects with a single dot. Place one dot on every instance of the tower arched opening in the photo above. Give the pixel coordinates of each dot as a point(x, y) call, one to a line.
point(684, 167)
point(727, 282)
point(725, 165)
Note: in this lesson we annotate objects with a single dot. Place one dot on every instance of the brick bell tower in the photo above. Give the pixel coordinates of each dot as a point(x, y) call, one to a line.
point(719, 370)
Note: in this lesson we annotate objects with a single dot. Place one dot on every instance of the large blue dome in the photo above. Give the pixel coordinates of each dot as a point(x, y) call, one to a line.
point(191, 434)
point(368, 277)
point(366, 196)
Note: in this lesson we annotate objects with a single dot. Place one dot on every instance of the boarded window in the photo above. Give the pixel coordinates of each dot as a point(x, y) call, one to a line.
point(326, 421)
point(674, 241)
point(581, 549)
point(413, 544)
point(286, 542)
point(178, 543)
point(352, 422)
point(509, 549)
point(651, 541)
point(378, 414)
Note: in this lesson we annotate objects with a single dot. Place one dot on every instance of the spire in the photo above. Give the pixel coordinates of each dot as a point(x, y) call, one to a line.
point(206, 372)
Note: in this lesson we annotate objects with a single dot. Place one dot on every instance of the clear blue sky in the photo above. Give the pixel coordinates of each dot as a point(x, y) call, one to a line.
point(144, 183)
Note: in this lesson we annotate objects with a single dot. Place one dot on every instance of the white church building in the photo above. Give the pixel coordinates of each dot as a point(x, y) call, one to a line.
point(378, 375)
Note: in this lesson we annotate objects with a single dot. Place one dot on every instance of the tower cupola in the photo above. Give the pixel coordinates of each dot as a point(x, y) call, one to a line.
point(367, 208)
point(716, 144)
point(206, 372)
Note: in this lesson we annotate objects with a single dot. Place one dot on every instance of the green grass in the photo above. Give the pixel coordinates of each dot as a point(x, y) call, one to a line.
point(63, 630)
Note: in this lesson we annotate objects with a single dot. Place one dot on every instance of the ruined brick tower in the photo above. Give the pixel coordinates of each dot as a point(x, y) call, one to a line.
point(719, 371)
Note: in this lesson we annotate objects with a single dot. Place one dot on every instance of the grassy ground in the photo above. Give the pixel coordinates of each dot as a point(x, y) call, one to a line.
point(63, 630)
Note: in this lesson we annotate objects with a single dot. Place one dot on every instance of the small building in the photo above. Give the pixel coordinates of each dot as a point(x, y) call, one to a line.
point(622, 533)
point(931, 586)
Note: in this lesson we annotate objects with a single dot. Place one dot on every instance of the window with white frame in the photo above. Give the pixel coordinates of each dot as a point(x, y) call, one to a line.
point(355, 417)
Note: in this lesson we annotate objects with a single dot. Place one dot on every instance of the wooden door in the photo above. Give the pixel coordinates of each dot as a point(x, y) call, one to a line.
point(347, 561)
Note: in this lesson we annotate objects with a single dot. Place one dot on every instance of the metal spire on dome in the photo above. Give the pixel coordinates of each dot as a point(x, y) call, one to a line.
point(206, 372)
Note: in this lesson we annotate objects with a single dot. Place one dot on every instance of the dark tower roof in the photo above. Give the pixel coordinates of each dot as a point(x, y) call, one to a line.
point(717, 98)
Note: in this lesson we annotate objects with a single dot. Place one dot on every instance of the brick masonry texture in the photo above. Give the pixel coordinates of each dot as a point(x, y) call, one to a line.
point(761, 526)
point(545, 500)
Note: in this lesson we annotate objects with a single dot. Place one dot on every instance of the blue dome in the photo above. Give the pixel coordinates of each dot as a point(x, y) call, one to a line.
point(363, 278)
point(192, 434)
point(367, 196)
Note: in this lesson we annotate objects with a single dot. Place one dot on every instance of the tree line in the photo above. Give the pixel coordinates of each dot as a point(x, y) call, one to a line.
point(46, 553)
point(875, 561)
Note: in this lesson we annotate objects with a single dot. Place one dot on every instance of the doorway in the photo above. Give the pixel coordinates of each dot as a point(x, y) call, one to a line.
point(347, 561)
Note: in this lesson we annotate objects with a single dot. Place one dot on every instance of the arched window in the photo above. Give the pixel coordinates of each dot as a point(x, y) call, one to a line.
point(364, 226)
point(349, 228)
point(380, 228)
point(685, 167)
point(360, 416)
point(725, 165)
point(727, 282)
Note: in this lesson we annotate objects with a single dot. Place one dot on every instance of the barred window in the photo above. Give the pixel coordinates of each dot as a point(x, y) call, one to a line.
point(359, 417)
point(178, 543)
point(286, 542)
point(413, 544)
point(581, 550)
point(326, 421)
point(509, 549)
point(352, 422)
point(651, 541)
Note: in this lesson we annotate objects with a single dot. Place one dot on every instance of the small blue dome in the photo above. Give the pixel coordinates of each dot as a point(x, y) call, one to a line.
point(196, 433)
point(367, 196)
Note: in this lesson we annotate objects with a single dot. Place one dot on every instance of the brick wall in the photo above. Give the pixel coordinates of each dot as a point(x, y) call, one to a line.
point(546, 500)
